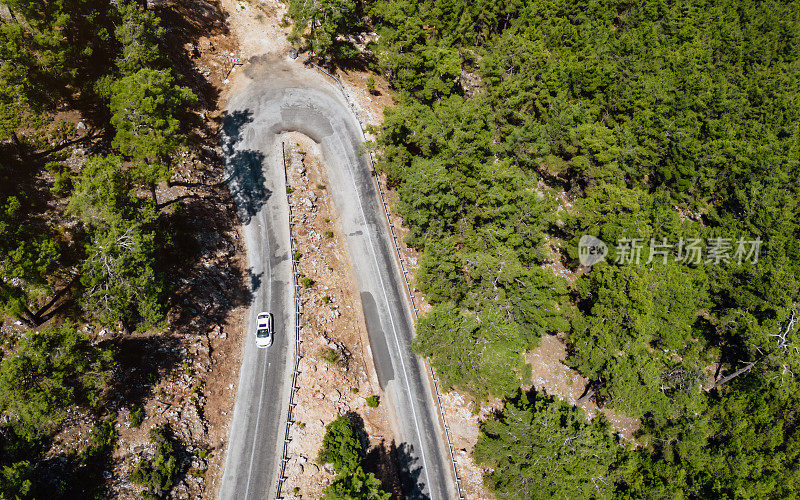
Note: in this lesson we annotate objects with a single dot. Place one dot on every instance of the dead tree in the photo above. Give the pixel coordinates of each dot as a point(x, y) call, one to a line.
point(782, 345)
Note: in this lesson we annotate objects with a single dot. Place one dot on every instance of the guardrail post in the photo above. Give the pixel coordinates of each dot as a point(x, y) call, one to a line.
point(297, 312)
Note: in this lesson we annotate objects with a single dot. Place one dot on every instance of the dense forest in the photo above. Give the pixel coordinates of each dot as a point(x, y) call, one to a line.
point(75, 246)
point(670, 131)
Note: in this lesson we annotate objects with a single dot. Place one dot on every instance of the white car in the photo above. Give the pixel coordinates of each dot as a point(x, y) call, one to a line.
point(264, 330)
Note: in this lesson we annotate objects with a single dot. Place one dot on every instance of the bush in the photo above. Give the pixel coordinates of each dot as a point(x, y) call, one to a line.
point(341, 446)
point(159, 474)
point(329, 233)
point(52, 370)
point(306, 281)
point(321, 186)
point(102, 441)
point(296, 255)
point(62, 183)
point(373, 401)
point(331, 355)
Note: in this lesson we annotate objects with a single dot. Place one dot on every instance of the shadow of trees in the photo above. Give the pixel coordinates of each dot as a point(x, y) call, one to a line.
point(244, 169)
point(187, 22)
point(140, 361)
point(395, 465)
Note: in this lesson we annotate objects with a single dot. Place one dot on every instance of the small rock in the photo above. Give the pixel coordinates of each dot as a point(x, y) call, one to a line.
point(81, 126)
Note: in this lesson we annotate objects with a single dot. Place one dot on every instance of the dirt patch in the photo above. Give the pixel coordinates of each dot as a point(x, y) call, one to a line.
point(336, 372)
point(257, 23)
point(557, 379)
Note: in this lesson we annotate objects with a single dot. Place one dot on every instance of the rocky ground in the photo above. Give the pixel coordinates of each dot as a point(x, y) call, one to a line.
point(185, 377)
point(336, 372)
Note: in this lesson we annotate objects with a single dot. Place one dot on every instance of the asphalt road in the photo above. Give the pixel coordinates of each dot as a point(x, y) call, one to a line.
point(273, 97)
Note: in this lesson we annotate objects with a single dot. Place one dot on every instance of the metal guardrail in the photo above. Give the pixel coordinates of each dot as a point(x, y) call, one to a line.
point(297, 341)
point(402, 268)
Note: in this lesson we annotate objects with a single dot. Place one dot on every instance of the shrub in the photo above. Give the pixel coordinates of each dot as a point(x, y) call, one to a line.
point(373, 401)
point(321, 186)
point(159, 474)
point(306, 281)
point(137, 415)
point(62, 183)
point(329, 233)
point(332, 356)
point(341, 446)
point(102, 440)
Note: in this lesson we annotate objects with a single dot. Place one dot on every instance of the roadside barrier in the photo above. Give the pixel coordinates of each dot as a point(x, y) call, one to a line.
point(297, 355)
point(402, 268)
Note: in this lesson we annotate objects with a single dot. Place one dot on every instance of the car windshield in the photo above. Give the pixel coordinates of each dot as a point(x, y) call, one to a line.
point(262, 332)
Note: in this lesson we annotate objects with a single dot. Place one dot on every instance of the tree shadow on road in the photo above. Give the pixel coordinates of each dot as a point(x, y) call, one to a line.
point(244, 169)
point(397, 469)
point(395, 466)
